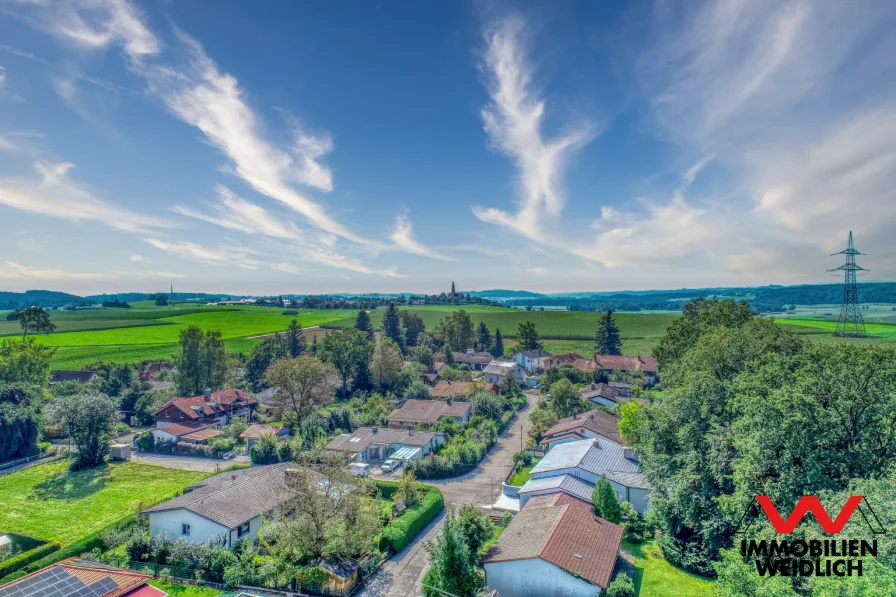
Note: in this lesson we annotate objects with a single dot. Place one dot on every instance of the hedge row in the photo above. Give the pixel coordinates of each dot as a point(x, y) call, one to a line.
point(26, 557)
point(399, 533)
point(88, 543)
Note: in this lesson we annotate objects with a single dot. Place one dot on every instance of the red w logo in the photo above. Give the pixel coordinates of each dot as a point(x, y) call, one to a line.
point(809, 503)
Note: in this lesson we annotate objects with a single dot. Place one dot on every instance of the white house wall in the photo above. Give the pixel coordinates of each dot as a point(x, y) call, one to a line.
point(254, 527)
point(168, 525)
point(574, 471)
point(535, 578)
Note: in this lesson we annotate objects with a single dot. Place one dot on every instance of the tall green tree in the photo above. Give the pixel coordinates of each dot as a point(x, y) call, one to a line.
point(498, 348)
point(452, 567)
point(412, 326)
point(201, 362)
point(565, 399)
point(484, 342)
point(25, 362)
point(606, 339)
point(263, 354)
point(348, 351)
point(605, 501)
point(392, 325)
point(20, 420)
point(363, 324)
point(89, 419)
point(386, 364)
point(456, 330)
point(295, 338)
point(528, 336)
point(302, 383)
point(35, 320)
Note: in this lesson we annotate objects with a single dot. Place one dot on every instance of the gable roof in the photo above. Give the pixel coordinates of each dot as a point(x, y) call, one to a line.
point(181, 429)
point(599, 457)
point(474, 358)
point(561, 530)
point(74, 576)
point(623, 363)
point(501, 367)
point(201, 435)
point(429, 411)
point(568, 484)
point(199, 407)
point(566, 357)
point(364, 436)
point(451, 389)
point(229, 499)
point(597, 421)
point(538, 353)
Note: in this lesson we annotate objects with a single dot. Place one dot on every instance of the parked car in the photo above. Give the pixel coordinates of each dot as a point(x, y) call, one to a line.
point(390, 465)
point(359, 469)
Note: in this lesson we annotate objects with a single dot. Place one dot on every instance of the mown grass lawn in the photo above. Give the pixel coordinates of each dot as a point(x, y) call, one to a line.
point(51, 503)
point(655, 577)
point(520, 477)
point(176, 590)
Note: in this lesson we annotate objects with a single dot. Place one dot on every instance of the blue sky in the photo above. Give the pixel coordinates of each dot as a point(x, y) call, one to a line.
point(382, 146)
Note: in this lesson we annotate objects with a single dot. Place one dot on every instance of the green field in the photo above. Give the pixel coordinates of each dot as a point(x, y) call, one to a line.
point(655, 577)
point(150, 332)
point(49, 502)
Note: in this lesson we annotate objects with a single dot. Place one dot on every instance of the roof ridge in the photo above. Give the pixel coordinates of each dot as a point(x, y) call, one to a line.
point(565, 510)
point(120, 571)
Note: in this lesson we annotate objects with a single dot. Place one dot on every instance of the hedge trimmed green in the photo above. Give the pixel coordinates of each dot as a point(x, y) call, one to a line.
point(399, 533)
point(26, 557)
point(88, 543)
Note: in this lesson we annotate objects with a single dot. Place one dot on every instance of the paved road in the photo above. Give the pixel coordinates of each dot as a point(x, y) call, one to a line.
point(188, 463)
point(402, 574)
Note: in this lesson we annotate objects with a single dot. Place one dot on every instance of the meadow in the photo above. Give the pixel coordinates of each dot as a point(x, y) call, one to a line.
point(49, 502)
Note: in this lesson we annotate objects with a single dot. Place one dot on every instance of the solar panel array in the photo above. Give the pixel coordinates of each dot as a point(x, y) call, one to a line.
point(56, 582)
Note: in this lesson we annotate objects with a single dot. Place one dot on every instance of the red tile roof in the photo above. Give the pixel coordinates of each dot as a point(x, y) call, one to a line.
point(452, 389)
point(258, 430)
point(87, 572)
point(622, 363)
point(596, 421)
point(216, 404)
point(428, 411)
point(562, 530)
point(181, 429)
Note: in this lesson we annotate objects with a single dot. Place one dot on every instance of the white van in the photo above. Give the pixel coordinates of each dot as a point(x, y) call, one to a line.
point(359, 469)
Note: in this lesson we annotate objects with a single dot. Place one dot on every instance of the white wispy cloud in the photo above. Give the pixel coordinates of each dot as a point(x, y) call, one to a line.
point(513, 121)
point(56, 195)
point(2, 77)
point(94, 24)
point(6, 144)
point(235, 213)
point(213, 101)
point(12, 271)
point(137, 258)
point(403, 237)
point(212, 255)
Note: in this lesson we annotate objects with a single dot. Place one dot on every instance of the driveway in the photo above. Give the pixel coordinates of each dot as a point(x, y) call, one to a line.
point(402, 574)
point(188, 463)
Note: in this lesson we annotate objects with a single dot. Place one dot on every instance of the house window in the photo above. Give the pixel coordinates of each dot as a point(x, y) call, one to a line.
point(167, 413)
point(185, 529)
point(243, 529)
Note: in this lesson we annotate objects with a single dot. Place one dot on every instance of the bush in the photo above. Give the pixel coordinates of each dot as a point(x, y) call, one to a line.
point(145, 442)
point(188, 449)
point(690, 555)
point(290, 312)
point(400, 532)
point(622, 586)
point(507, 518)
point(222, 444)
point(636, 528)
point(122, 428)
point(12, 564)
point(522, 459)
point(138, 547)
point(264, 451)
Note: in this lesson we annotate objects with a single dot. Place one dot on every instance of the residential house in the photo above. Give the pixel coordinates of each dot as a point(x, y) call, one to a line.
point(531, 360)
point(477, 361)
point(416, 412)
point(151, 370)
point(609, 395)
point(256, 431)
point(567, 358)
point(554, 546)
point(645, 366)
point(375, 443)
point(187, 431)
point(498, 371)
point(59, 376)
point(596, 423)
point(452, 389)
point(211, 408)
point(79, 577)
point(226, 507)
point(588, 460)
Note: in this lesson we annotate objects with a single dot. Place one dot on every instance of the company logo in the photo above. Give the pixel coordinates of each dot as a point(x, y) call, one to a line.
point(826, 557)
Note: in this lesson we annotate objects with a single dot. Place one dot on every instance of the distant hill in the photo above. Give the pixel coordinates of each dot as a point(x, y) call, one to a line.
point(10, 301)
point(142, 296)
point(505, 294)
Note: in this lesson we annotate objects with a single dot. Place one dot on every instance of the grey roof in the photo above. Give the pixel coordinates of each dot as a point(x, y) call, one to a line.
point(635, 480)
point(526, 536)
point(538, 353)
point(566, 483)
point(230, 499)
point(364, 436)
point(596, 456)
point(476, 358)
point(501, 367)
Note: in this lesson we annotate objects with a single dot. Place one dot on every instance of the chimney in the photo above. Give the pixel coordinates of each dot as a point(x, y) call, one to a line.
point(470, 351)
point(631, 455)
point(375, 429)
point(448, 401)
point(591, 416)
point(410, 430)
point(208, 394)
point(575, 414)
point(594, 386)
point(595, 442)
